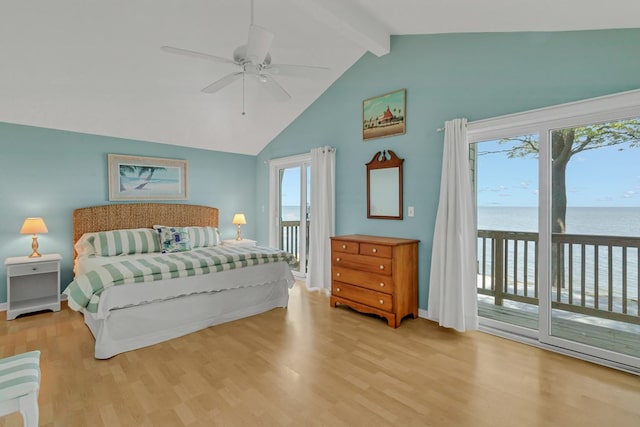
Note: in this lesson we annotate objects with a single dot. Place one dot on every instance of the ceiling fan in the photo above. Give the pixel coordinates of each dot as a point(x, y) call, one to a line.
point(253, 59)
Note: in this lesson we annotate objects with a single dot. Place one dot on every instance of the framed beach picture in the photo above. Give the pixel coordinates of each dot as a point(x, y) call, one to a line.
point(384, 115)
point(147, 178)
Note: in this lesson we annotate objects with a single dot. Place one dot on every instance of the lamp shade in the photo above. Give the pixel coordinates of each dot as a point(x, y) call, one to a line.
point(33, 226)
point(239, 219)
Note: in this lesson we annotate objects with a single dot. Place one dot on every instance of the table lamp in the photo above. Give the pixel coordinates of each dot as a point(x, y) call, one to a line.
point(239, 219)
point(34, 226)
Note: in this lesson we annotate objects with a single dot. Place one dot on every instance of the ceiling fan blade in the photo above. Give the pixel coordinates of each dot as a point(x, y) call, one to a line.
point(192, 53)
point(219, 84)
point(290, 70)
point(274, 88)
point(259, 43)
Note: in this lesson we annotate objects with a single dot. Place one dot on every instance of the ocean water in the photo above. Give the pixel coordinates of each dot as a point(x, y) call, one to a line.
point(595, 221)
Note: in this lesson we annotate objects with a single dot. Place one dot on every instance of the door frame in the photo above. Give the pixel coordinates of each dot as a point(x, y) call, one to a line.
point(275, 165)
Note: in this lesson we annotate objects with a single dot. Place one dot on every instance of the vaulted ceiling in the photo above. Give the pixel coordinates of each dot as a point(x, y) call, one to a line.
point(96, 66)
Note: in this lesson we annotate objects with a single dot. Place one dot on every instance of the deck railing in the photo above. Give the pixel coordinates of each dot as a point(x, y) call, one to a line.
point(290, 237)
point(592, 275)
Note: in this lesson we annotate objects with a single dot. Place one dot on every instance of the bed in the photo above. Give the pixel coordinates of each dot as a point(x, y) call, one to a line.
point(179, 291)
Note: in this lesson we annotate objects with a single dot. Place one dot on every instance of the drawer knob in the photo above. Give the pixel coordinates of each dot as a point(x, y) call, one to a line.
point(382, 284)
point(337, 274)
point(338, 259)
point(374, 250)
point(381, 267)
point(381, 301)
point(344, 246)
point(34, 268)
point(337, 289)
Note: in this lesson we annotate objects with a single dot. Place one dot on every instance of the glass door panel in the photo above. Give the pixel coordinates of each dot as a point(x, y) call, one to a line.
point(506, 188)
point(293, 208)
point(595, 225)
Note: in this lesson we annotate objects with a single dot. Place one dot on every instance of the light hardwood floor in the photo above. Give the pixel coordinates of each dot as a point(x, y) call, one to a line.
point(315, 365)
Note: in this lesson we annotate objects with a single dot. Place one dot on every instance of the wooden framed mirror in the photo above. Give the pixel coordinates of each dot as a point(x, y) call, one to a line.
point(384, 186)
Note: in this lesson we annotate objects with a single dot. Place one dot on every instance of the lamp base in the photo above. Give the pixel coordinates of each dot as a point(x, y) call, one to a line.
point(34, 246)
point(239, 237)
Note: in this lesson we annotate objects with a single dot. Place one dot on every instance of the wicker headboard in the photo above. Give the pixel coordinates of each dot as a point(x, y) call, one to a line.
point(139, 215)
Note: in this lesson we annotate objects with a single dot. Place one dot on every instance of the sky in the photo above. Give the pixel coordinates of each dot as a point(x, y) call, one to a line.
point(604, 177)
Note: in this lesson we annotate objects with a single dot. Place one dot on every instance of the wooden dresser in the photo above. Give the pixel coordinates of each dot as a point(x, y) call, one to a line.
point(374, 274)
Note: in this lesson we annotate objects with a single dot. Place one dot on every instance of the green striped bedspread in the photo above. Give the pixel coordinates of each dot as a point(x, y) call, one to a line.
point(85, 290)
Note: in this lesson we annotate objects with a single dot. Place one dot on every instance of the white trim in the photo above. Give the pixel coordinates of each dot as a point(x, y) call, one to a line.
point(544, 235)
point(619, 105)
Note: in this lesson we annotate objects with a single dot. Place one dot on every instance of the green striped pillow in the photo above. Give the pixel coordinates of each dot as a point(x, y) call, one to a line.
point(133, 241)
point(203, 236)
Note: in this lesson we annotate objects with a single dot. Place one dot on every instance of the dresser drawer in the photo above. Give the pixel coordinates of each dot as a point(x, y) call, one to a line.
point(376, 250)
point(363, 263)
point(35, 268)
point(362, 295)
point(344, 246)
point(376, 282)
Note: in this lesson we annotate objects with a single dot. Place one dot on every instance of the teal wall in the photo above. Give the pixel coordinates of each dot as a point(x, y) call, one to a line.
point(50, 173)
point(446, 76)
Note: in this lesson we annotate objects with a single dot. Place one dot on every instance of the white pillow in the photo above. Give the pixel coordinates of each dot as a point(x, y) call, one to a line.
point(84, 245)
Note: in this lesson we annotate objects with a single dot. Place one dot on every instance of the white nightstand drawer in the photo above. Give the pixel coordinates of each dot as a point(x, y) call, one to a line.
point(35, 268)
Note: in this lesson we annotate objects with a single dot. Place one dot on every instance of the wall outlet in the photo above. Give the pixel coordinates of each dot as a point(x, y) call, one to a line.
point(410, 211)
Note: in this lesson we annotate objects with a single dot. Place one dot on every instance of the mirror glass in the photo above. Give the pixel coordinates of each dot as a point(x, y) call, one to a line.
point(384, 198)
point(384, 186)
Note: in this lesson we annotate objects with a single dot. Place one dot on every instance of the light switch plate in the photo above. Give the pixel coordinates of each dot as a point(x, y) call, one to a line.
point(410, 211)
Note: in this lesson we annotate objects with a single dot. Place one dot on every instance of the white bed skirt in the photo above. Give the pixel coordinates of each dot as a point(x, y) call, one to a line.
point(134, 327)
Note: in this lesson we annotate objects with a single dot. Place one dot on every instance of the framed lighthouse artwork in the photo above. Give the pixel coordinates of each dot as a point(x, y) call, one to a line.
point(384, 115)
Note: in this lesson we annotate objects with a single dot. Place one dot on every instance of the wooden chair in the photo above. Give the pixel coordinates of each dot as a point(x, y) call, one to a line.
point(19, 386)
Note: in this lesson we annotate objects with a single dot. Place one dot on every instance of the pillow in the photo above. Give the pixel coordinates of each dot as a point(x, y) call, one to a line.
point(204, 236)
point(124, 242)
point(84, 245)
point(174, 239)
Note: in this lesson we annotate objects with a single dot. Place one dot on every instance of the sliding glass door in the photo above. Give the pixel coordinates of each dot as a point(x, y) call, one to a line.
point(558, 215)
point(595, 226)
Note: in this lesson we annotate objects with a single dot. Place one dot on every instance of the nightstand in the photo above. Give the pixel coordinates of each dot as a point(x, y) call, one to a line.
point(33, 284)
point(245, 243)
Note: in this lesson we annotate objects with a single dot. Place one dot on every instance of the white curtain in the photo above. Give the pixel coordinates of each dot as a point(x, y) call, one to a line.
point(322, 214)
point(452, 284)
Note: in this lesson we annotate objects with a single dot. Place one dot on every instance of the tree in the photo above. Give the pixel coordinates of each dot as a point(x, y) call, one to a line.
point(140, 170)
point(565, 143)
